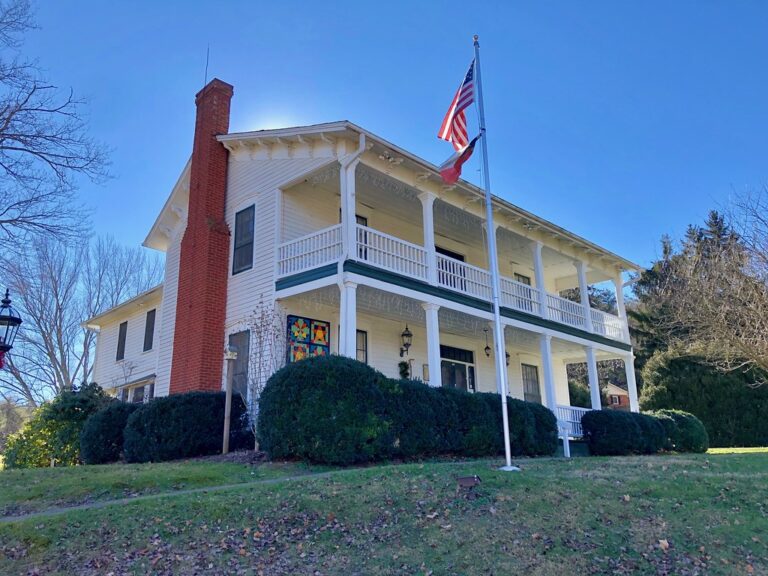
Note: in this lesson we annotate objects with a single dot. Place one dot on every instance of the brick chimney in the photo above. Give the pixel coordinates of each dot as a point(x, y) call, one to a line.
point(198, 344)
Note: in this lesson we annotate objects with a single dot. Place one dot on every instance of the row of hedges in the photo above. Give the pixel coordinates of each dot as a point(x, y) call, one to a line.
point(335, 410)
point(613, 433)
point(167, 428)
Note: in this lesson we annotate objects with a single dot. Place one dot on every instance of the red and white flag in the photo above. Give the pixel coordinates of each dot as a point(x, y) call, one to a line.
point(454, 127)
point(450, 170)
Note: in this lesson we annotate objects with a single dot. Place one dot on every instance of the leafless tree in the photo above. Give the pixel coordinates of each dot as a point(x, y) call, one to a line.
point(267, 353)
point(718, 293)
point(56, 286)
point(44, 146)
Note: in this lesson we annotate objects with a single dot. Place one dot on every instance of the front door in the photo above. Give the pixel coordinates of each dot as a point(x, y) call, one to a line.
point(457, 368)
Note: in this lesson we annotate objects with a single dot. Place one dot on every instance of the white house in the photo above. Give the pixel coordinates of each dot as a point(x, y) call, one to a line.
point(358, 242)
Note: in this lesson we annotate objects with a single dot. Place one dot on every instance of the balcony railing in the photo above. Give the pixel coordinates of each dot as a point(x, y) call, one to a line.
point(390, 253)
point(411, 260)
point(310, 251)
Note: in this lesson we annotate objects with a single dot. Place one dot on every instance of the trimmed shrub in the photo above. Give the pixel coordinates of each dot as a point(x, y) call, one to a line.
point(101, 440)
point(330, 409)
point(611, 432)
point(335, 410)
point(690, 435)
point(652, 433)
point(669, 426)
point(184, 426)
point(53, 432)
point(545, 430)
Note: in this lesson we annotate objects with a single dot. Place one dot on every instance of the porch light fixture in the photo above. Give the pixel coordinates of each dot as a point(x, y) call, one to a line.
point(9, 326)
point(507, 356)
point(487, 348)
point(407, 339)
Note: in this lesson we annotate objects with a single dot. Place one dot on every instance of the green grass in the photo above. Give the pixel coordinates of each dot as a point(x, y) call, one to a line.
point(693, 514)
point(756, 450)
point(30, 490)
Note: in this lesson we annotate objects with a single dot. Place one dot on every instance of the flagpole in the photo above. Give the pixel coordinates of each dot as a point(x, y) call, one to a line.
point(498, 329)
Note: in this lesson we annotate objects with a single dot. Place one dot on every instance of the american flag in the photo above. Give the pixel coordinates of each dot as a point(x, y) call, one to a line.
point(454, 127)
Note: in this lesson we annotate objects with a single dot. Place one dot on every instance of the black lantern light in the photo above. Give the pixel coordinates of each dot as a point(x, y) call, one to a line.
point(9, 326)
point(487, 348)
point(407, 339)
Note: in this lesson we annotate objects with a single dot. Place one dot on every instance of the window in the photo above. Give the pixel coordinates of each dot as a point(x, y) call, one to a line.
point(242, 342)
point(615, 400)
point(149, 330)
point(242, 256)
point(124, 394)
point(457, 368)
point(138, 395)
point(121, 335)
point(362, 346)
point(523, 279)
point(531, 383)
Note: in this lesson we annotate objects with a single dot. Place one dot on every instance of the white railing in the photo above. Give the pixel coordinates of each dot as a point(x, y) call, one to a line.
point(390, 253)
point(519, 296)
point(463, 277)
point(565, 311)
point(310, 251)
point(401, 257)
point(570, 418)
point(607, 325)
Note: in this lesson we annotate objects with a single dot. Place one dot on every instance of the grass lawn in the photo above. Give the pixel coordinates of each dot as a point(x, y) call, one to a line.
point(24, 491)
point(703, 514)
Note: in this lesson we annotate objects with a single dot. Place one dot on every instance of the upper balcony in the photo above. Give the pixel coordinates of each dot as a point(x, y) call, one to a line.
point(431, 240)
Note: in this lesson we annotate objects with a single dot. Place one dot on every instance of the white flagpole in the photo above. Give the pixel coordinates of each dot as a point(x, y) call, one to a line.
point(498, 329)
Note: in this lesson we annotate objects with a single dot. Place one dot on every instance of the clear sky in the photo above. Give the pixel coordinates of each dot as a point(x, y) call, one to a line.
point(620, 121)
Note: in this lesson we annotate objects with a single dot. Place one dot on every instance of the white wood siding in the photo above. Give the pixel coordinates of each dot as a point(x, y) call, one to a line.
point(257, 182)
point(109, 372)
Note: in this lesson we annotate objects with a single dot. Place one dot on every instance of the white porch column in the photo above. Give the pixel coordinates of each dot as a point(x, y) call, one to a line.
point(348, 320)
point(428, 218)
point(538, 269)
point(545, 344)
point(433, 344)
point(581, 270)
point(594, 380)
point(629, 366)
point(621, 306)
point(348, 208)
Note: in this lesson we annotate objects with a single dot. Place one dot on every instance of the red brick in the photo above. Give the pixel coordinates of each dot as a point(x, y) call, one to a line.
point(198, 345)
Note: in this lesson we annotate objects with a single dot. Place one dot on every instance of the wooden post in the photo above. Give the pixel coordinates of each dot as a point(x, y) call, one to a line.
point(230, 355)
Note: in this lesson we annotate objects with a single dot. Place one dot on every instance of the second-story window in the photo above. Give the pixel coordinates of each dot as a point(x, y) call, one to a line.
point(523, 279)
point(149, 330)
point(242, 256)
point(121, 335)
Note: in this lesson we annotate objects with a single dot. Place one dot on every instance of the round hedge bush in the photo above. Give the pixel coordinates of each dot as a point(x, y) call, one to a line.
point(652, 434)
point(689, 434)
point(101, 440)
point(327, 409)
point(184, 426)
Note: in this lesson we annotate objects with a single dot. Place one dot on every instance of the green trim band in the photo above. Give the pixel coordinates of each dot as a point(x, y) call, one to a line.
point(308, 276)
point(446, 294)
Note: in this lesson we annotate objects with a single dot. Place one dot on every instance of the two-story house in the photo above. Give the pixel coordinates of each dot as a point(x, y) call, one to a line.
point(366, 253)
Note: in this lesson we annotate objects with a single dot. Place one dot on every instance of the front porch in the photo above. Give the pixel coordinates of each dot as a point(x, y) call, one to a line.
point(448, 346)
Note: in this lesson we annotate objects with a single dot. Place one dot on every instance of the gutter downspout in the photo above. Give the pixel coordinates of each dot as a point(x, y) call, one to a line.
point(347, 184)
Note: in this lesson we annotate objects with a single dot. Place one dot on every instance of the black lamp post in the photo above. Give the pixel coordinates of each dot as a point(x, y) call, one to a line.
point(9, 326)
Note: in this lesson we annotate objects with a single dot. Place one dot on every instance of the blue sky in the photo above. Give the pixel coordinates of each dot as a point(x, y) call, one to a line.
point(620, 121)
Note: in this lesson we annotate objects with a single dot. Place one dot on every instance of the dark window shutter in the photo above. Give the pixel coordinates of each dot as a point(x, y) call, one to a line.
point(149, 330)
point(242, 255)
point(121, 335)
